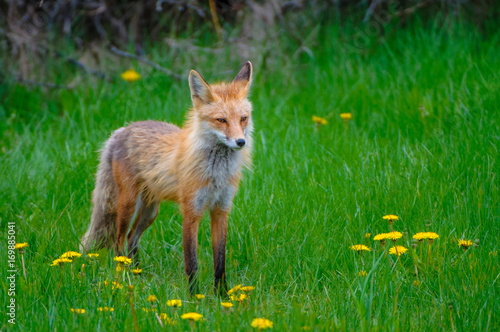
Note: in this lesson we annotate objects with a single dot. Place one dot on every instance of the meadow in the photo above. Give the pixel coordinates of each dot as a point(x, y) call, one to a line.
point(422, 144)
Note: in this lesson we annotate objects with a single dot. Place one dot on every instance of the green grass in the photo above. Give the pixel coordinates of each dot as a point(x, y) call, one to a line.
point(423, 144)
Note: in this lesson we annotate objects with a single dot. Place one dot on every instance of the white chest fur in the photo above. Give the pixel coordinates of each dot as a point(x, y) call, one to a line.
point(209, 196)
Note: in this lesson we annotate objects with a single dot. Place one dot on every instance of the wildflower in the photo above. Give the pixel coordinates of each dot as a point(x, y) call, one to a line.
point(20, 246)
point(247, 289)
point(192, 316)
point(239, 298)
point(226, 305)
point(167, 320)
point(465, 244)
point(93, 255)
point(174, 303)
point(319, 121)
point(130, 288)
point(346, 116)
point(61, 261)
point(137, 271)
point(397, 250)
point(106, 309)
point(117, 285)
point(360, 248)
point(149, 309)
point(416, 283)
point(390, 217)
point(130, 75)
point(261, 323)
point(71, 255)
point(305, 328)
point(119, 267)
point(200, 296)
point(362, 273)
point(420, 236)
point(123, 260)
point(393, 235)
point(380, 237)
point(432, 236)
point(151, 298)
point(78, 311)
point(368, 235)
point(234, 289)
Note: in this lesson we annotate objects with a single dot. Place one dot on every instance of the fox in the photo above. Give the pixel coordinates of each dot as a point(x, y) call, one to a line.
point(198, 166)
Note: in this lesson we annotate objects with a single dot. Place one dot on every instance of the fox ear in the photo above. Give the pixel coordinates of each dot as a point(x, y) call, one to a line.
point(244, 77)
point(200, 90)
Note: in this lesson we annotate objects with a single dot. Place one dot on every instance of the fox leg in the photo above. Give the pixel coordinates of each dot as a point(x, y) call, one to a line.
point(128, 194)
point(218, 219)
point(145, 218)
point(190, 224)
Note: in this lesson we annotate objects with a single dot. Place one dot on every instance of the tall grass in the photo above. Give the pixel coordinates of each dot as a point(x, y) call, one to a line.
point(423, 144)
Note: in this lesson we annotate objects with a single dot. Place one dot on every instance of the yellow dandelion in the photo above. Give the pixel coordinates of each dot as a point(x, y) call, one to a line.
point(78, 311)
point(390, 218)
point(368, 235)
point(319, 121)
point(117, 285)
point(465, 243)
point(130, 76)
point(119, 267)
point(149, 309)
point(193, 316)
point(169, 321)
point(106, 309)
point(362, 273)
point(393, 235)
point(397, 250)
point(239, 298)
point(234, 289)
point(136, 271)
point(93, 255)
point(420, 236)
point(61, 261)
point(261, 323)
point(152, 298)
point(20, 246)
point(199, 296)
point(123, 259)
point(360, 248)
point(346, 116)
point(226, 305)
point(247, 289)
point(380, 237)
point(71, 255)
point(432, 236)
point(174, 303)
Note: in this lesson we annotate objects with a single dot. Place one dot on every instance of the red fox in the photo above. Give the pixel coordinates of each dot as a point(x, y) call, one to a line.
point(198, 166)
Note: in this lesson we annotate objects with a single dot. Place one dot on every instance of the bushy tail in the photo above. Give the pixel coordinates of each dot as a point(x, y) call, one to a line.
point(104, 199)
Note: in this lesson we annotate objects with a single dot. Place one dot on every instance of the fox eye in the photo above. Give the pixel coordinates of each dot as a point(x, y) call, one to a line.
point(244, 118)
point(221, 120)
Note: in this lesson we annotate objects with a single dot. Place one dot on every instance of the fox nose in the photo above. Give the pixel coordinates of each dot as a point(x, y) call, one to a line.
point(240, 142)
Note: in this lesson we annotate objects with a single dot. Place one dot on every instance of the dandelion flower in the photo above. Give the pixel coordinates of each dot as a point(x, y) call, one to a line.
point(123, 259)
point(362, 273)
point(117, 285)
point(136, 271)
point(239, 298)
point(174, 303)
point(61, 261)
point(432, 236)
point(234, 289)
point(152, 298)
point(169, 321)
point(199, 296)
point(397, 250)
point(380, 237)
point(247, 289)
point(390, 217)
point(465, 244)
point(192, 316)
point(346, 116)
point(261, 323)
point(226, 305)
point(319, 121)
point(393, 235)
point(130, 76)
point(420, 236)
point(119, 267)
point(106, 309)
point(71, 255)
point(93, 255)
point(20, 246)
point(149, 309)
point(360, 248)
point(78, 311)
point(368, 235)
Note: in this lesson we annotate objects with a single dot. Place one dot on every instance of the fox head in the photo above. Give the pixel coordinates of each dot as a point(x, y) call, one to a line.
point(223, 111)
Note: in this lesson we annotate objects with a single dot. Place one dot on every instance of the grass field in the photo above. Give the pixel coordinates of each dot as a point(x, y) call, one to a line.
point(423, 144)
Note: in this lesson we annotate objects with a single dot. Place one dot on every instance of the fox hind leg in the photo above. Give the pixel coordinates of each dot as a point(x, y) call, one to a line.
point(145, 217)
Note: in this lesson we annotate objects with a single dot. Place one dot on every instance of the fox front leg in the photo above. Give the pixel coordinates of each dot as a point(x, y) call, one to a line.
point(190, 226)
point(218, 219)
